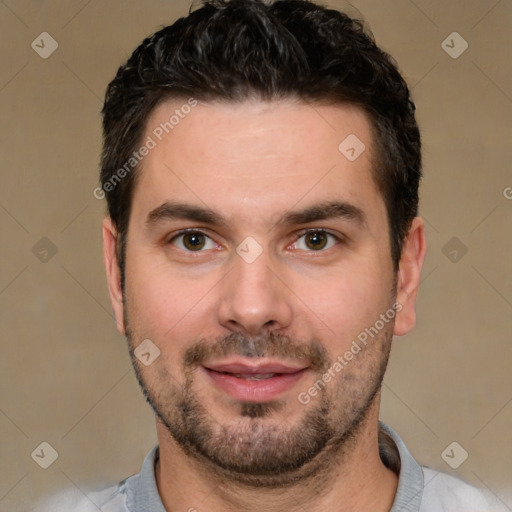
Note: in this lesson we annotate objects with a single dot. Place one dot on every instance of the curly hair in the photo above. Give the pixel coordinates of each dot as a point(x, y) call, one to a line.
point(233, 50)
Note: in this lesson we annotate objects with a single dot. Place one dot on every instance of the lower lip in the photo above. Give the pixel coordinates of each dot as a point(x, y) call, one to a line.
point(263, 390)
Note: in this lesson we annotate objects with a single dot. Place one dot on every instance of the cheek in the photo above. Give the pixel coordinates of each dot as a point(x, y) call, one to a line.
point(344, 304)
point(163, 303)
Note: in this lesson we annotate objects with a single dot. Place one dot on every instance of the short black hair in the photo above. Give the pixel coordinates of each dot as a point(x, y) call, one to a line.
point(234, 50)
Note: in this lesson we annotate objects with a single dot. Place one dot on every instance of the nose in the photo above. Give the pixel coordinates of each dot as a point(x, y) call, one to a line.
point(254, 300)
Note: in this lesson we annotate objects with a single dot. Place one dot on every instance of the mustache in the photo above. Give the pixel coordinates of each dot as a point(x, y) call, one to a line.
point(274, 345)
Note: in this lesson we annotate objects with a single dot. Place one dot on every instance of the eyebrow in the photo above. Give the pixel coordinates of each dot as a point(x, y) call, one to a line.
point(324, 211)
point(321, 211)
point(183, 211)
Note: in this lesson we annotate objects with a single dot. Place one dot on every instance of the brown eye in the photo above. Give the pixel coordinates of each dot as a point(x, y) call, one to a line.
point(316, 240)
point(194, 241)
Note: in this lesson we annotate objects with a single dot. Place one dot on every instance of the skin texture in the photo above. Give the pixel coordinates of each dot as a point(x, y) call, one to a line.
point(254, 163)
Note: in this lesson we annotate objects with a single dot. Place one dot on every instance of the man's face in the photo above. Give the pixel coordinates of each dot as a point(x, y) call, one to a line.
point(257, 252)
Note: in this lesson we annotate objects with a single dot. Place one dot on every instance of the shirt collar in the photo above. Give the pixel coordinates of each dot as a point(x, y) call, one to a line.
point(142, 492)
point(410, 479)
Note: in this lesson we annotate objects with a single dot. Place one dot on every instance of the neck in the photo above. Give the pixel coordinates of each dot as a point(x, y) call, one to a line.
point(358, 480)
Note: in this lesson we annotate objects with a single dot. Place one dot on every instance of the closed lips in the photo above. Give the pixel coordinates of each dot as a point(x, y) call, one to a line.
point(261, 371)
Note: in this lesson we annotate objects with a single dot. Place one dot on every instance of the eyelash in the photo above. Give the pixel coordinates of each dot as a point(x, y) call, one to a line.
point(339, 239)
point(190, 231)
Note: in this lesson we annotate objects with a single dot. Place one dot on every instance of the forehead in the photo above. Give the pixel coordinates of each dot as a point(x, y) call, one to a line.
point(262, 156)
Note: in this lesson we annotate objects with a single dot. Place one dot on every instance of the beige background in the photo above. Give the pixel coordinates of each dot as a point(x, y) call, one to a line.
point(65, 373)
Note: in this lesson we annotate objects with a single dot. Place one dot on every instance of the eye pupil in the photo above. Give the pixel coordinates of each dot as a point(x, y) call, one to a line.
point(194, 241)
point(316, 240)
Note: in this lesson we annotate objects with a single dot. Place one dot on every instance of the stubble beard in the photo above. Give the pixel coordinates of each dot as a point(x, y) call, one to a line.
point(259, 448)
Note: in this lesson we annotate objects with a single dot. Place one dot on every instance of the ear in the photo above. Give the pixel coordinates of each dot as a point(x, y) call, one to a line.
point(113, 272)
point(409, 272)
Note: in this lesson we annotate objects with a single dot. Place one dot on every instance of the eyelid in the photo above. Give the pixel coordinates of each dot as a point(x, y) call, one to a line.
point(340, 237)
point(184, 231)
point(169, 240)
point(337, 236)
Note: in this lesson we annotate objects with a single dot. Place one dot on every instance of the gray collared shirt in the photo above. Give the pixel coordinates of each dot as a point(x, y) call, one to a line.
point(419, 489)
